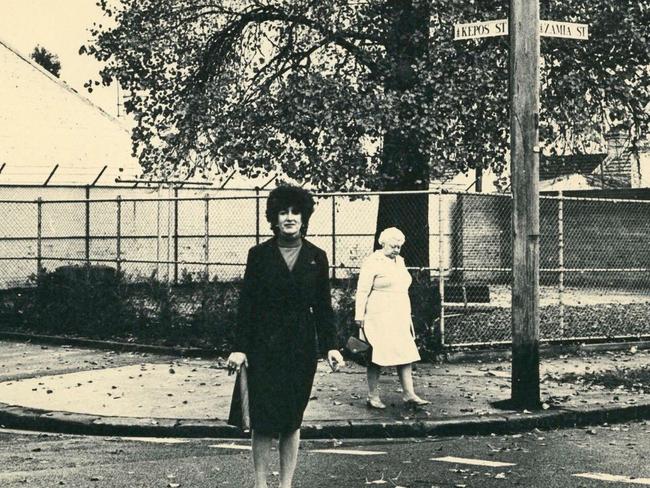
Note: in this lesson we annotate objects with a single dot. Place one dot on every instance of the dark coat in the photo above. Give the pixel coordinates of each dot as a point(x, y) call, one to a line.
point(285, 319)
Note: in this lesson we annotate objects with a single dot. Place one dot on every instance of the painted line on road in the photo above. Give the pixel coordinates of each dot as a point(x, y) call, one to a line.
point(615, 478)
point(231, 446)
point(156, 440)
point(350, 452)
point(473, 462)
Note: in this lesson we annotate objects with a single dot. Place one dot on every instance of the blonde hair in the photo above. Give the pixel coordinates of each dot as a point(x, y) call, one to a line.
point(391, 234)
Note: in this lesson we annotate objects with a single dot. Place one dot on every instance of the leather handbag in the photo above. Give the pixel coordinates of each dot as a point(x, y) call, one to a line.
point(360, 351)
point(239, 407)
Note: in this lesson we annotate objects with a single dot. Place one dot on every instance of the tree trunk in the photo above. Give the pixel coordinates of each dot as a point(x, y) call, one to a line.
point(404, 164)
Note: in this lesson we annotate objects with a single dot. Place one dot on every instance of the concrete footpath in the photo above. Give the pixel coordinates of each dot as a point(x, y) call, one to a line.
point(61, 388)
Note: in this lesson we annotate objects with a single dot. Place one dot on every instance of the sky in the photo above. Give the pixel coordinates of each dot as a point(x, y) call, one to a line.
point(61, 26)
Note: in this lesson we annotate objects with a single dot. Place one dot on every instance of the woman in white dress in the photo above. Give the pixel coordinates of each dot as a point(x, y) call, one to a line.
point(383, 312)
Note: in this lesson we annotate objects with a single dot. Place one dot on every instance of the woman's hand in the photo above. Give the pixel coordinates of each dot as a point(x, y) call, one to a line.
point(235, 361)
point(334, 359)
point(359, 323)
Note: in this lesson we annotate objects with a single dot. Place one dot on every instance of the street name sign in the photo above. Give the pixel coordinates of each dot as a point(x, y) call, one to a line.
point(568, 30)
point(493, 28)
point(476, 30)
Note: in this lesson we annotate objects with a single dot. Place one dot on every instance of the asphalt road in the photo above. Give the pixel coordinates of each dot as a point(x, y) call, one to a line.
point(607, 456)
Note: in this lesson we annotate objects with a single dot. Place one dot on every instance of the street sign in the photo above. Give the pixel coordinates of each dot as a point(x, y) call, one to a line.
point(568, 30)
point(475, 30)
point(493, 28)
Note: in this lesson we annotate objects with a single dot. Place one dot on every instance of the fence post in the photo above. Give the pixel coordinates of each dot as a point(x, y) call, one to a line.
point(118, 236)
point(560, 230)
point(88, 225)
point(207, 237)
point(441, 276)
point(257, 215)
point(333, 237)
point(169, 235)
point(158, 237)
point(39, 236)
point(176, 235)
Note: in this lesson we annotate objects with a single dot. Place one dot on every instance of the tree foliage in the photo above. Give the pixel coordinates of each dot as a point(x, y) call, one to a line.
point(47, 60)
point(359, 93)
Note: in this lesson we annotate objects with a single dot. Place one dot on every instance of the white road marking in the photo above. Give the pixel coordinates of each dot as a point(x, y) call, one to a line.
point(156, 440)
point(474, 462)
point(350, 452)
point(612, 477)
point(231, 446)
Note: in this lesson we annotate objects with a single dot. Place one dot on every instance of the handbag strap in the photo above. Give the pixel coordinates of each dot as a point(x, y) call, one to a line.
point(362, 335)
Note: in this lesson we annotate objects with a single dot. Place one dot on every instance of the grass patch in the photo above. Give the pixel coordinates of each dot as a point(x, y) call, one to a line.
point(613, 379)
point(593, 320)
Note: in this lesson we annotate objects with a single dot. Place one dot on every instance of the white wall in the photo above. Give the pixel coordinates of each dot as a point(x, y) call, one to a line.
point(44, 122)
point(644, 167)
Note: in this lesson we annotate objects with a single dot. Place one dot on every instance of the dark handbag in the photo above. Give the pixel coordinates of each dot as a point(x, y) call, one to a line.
point(239, 408)
point(360, 351)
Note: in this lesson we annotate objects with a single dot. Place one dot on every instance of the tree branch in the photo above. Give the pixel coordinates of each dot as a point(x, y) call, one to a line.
point(219, 44)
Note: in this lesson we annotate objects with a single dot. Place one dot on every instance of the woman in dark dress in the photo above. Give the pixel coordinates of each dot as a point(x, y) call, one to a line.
point(285, 319)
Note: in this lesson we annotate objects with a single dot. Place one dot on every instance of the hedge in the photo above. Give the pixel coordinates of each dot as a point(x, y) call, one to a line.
point(96, 302)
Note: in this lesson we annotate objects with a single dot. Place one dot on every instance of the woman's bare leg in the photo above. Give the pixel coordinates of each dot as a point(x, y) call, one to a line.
point(261, 457)
point(373, 371)
point(406, 379)
point(405, 372)
point(289, 444)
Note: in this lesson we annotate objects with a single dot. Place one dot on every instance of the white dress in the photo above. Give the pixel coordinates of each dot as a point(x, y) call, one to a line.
point(383, 303)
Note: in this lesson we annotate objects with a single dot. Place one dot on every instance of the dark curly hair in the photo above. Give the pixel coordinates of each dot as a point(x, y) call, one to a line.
point(283, 197)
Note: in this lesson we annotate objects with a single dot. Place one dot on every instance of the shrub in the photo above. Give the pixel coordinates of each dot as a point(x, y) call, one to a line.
point(216, 316)
point(85, 300)
point(95, 302)
point(343, 303)
point(425, 308)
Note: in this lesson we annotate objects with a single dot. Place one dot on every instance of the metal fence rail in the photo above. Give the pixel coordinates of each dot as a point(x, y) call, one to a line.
point(594, 253)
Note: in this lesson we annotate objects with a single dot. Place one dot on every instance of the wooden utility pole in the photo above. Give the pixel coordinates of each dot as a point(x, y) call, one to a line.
point(524, 154)
point(524, 28)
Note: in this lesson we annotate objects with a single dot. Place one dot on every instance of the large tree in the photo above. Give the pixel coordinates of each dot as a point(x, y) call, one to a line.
point(350, 94)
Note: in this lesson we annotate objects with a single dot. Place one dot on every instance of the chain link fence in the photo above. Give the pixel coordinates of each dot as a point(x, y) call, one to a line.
point(594, 252)
point(594, 270)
